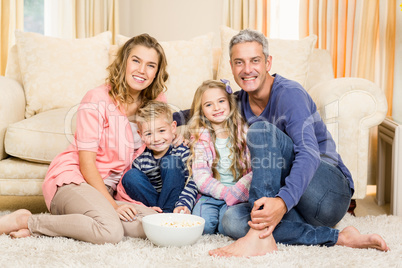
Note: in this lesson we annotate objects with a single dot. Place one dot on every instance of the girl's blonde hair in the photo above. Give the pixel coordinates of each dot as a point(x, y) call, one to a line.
point(117, 72)
point(234, 123)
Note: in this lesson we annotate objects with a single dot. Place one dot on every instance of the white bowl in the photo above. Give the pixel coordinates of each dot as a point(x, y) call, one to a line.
point(157, 230)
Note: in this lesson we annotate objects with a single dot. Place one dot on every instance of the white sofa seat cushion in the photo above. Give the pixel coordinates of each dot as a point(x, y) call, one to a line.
point(20, 177)
point(41, 137)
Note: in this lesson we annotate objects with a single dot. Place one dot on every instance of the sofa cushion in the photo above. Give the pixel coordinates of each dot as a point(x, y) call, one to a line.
point(58, 72)
point(320, 68)
point(41, 137)
point(189, 64)
point(19, 177)
point(290, 58)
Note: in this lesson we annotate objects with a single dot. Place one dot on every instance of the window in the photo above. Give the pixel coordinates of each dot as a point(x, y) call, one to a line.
point(284, 19)
point(34, 16)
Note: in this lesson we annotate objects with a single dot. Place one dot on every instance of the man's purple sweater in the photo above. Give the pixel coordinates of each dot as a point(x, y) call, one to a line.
point(291, 109)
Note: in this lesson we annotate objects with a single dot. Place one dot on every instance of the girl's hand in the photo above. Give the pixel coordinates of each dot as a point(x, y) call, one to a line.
point(179, 137)
point(157, 209)
point(126, 212)
point(182, 209)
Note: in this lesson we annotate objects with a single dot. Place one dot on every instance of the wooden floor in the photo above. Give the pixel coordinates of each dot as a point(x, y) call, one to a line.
point(36, 204)
point(368, 205)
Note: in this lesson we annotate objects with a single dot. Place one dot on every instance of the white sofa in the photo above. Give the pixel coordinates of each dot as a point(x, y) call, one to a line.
point(46, 78)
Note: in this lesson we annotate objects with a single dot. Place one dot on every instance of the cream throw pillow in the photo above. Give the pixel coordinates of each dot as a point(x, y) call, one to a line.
point(289, 57)
point(189, 64)
point(58, 72)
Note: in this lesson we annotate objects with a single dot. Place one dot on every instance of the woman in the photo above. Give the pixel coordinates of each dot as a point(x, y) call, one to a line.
point(79, 185)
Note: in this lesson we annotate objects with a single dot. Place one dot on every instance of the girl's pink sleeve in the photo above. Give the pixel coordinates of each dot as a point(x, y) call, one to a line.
point(208, 185)
point(239, 192)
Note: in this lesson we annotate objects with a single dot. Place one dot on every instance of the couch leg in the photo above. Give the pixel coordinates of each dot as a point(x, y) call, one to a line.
point(352, 207)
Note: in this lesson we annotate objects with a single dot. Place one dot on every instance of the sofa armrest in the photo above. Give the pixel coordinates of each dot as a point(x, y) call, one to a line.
point(12, 107)
point(350, 107)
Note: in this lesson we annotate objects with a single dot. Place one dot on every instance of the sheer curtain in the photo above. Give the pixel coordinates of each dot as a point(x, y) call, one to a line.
point(360, 35)
point(80, 18)
point(397, 94)
point(11, 18)
point(242, 14)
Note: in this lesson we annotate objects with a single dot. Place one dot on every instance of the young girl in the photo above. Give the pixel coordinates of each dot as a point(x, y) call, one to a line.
point(219, 162)
point(79, 185)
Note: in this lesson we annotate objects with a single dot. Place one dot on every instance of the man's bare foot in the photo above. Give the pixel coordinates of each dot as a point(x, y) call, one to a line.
point(20, 233)
point(14, 221)
point(351, 237)
point(247, 246)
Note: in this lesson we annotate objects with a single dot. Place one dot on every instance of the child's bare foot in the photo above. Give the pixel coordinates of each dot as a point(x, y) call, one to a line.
point(20, 233)
point(351, 237)
point(247, 246)
point(14, 221)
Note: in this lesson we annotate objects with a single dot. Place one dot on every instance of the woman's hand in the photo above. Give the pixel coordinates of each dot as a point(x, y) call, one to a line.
point(126, 212)
point(182, 209)
point(269, 216)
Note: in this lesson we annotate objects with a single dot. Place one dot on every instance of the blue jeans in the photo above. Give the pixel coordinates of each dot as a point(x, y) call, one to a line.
point(323, 204)
point(139, 187)
point(212, 211)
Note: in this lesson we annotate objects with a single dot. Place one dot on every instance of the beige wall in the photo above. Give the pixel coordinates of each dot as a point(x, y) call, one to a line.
point(169, 20)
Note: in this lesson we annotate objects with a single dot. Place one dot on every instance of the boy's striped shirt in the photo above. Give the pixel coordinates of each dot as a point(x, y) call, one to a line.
point(150, 166)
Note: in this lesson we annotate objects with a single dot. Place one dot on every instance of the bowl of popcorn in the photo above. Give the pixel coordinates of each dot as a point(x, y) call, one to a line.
point(173, 229)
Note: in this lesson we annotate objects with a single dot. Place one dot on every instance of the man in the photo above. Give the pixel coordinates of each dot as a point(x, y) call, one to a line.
point(300, 186)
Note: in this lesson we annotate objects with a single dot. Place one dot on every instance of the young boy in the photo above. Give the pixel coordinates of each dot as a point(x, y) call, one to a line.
point(158, 176)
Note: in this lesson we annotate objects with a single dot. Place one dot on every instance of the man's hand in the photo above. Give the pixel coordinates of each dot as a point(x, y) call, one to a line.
point(182, 209)
point(269, 216)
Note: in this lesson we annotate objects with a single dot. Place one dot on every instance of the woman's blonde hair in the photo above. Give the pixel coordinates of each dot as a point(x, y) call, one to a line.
point(234, 123)
point(117, 71)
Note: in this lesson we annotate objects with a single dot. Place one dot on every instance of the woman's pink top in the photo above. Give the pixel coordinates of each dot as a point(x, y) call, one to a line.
point(101, 128)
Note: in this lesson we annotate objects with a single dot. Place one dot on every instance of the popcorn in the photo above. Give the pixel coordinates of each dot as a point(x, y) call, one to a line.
point(180, 224)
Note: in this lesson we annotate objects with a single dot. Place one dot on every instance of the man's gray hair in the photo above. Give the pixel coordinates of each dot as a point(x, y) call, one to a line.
point(248, 35)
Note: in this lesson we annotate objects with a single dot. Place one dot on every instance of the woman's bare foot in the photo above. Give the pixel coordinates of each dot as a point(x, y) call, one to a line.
point(351, 237)
point(14, 221)
point(20, 233)
point(247, 246)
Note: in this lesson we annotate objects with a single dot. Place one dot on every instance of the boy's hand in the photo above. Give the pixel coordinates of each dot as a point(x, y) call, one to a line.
point(182, 209)
point(157, 209)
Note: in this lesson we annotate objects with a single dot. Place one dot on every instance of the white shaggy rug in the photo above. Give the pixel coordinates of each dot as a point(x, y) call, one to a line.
point(63, 252)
